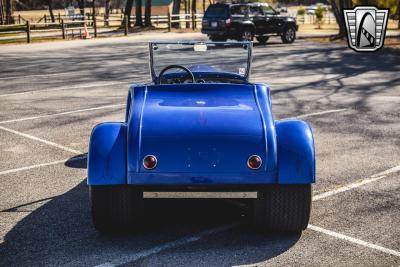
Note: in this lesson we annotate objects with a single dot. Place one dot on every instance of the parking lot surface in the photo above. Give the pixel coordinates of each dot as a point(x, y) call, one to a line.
point(51, 96)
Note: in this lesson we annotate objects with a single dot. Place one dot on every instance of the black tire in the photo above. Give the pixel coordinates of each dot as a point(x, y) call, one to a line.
point(283, 208)
point(289, 35)
point(115, 208)
point(262, 39)
point(246, 35)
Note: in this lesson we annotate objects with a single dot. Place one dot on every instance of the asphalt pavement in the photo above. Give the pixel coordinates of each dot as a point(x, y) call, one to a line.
point(53, 94)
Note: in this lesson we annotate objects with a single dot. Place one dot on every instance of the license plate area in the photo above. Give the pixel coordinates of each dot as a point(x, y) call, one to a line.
point(214, 24)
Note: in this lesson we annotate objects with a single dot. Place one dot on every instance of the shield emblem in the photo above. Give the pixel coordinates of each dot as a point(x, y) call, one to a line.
point(366, 27)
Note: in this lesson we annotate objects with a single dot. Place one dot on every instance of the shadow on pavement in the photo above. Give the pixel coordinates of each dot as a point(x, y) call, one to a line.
point(60, 232)
point(79, 162)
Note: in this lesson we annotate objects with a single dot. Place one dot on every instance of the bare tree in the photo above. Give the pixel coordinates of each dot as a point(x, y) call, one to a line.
point(1, 12)
point(128, 10)
point(138, 9)
point(337, 6)
point(147, 13)
point(81, 4)
point(9, 18)
point(176, 7)
point(398, 14)
point(106, 12)
point(50, 4)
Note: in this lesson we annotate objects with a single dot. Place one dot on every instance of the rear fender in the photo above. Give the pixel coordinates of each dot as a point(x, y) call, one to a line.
point(107, 154)
point(296, 153)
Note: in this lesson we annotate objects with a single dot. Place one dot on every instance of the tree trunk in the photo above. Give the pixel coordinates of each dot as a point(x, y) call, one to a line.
point(204, 6)
point(147, 14)
point(9, 18)
point(176, 8)
point(1, 12)
point(398, 14)
point(128, 10)
point(194, 11)
point(81, 4)
point(50, 4)
point(138, 22)
point(337, 6)
point(106, 12)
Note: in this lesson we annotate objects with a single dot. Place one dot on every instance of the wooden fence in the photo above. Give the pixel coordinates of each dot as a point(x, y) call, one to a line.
point(67, 26)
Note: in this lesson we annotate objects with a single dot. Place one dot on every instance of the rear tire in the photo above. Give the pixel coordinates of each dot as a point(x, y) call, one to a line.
point(283, 208)
point(262, 39)
point(246, 35)
point(115, 208)
point(289, 35)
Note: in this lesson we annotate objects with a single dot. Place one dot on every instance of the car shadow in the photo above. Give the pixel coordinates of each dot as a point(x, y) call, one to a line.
point(58, 231)
point(77, 162)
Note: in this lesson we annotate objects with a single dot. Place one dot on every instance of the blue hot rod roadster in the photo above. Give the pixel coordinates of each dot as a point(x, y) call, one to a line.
point(200, 125)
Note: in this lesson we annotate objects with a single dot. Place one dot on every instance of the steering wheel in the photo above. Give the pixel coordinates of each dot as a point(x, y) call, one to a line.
point(189, 73)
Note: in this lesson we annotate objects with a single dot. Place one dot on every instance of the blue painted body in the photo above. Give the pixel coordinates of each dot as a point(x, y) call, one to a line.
point(202, 134)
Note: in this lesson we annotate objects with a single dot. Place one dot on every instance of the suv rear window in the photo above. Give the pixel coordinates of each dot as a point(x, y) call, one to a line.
point(216, 11)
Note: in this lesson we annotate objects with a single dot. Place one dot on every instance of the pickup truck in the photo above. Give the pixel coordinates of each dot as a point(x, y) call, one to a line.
point(243, 22)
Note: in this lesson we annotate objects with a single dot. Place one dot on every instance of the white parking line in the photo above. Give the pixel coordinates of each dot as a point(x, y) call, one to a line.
point(41, 140)
point(320, 113)
point(62, 113)
point(42, 165)
point(373, 178)
point(81, 86)
point(184, 241)
point(169, 245)
point(354, 240)
point(37, 75)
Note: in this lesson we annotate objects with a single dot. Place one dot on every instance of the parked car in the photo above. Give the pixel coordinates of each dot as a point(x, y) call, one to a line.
point(311, 10)
point(200, 125)
point(246, 21)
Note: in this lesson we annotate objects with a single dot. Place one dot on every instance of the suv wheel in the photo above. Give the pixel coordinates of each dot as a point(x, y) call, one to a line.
point(262, 39)
point(247, 35)
point(289, 35)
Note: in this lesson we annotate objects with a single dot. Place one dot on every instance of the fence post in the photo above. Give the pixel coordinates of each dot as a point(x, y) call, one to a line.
point(45, 18)
point(63, 29)
point(125, 25)
point(19, 19)
point(169, 22)
point(95, 26)
point(28, 32)
point(59, 17)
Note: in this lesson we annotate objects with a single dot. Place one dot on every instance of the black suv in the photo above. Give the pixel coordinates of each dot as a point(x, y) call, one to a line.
point(245, 21)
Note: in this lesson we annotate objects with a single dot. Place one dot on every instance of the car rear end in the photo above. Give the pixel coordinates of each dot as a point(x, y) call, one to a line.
point(216, 21)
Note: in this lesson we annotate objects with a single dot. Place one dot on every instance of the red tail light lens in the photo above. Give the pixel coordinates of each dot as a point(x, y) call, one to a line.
point(149, 162)
point(228, 22)
point(254, 162)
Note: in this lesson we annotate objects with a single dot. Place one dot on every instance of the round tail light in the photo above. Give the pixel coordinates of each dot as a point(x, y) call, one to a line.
point(149, 162)
point(254, 162)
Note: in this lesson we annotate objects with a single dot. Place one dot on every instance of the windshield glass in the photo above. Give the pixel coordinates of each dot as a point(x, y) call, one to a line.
point(228, 57)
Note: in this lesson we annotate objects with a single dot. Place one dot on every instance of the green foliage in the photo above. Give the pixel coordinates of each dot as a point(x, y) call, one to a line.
point(319, 13)
point(301, 11)
point(394, 5)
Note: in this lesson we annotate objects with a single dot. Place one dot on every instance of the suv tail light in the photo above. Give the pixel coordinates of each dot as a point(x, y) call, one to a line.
point(228, 22)
point(204, 22)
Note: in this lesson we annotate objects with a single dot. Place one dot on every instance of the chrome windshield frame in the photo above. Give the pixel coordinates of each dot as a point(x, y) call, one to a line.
point(249, 44)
